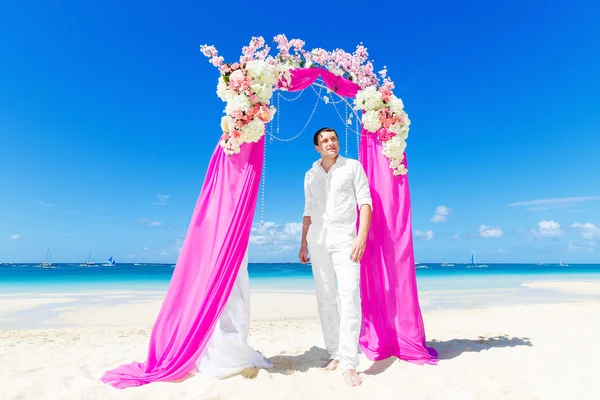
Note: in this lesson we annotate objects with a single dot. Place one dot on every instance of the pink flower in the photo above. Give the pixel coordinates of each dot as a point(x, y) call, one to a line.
point(264, 115)
point(384, 135)
point(297, 44)
point(385, 93)
point(235, 66)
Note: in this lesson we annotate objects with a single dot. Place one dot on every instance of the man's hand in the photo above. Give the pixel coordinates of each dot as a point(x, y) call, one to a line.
point(303, 255)
point(358, 248)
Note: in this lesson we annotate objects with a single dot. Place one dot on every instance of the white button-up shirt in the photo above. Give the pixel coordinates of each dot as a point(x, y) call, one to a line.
point(331, 199)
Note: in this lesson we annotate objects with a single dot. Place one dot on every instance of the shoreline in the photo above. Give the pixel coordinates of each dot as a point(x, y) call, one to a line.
point(40, 310)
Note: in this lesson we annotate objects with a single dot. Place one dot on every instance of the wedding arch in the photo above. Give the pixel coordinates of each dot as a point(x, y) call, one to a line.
point(219, 230)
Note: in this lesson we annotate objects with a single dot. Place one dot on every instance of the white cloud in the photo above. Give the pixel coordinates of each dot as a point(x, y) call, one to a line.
point(585, 246)
point(489, 231)
point(276, 235)
point(147, 222)
point(162, 200)
point(428, 235)
point(587, 230)
point(456, 236)
point(45, 204)
point(441, 214)
point(547, 229)
point(275, 242)
point(499, 251)
point(15, 237)
point(562, 200)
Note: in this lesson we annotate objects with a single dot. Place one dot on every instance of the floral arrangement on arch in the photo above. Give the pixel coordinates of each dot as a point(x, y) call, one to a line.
point(248, 85)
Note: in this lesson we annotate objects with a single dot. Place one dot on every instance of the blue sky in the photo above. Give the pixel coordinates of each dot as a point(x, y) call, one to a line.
point(108, 118)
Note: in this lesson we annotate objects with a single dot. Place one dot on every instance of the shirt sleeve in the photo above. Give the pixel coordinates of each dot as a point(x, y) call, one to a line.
point(307, 198)
point(361, 187)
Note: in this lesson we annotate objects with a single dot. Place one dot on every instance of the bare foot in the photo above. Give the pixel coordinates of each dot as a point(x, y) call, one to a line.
point(333, 364)
point(249, 372)
point(352, 377)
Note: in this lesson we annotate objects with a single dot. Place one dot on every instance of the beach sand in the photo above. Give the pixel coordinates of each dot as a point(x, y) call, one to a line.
point(519, 351)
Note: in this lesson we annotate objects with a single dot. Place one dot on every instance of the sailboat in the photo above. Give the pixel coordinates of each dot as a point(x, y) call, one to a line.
point(89, 263)
point(563, 264)
point(474, 263)
point(111, 262)
point(47, 263)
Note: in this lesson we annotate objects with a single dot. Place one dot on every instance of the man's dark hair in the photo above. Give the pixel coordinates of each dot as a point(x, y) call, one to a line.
point(325, 129)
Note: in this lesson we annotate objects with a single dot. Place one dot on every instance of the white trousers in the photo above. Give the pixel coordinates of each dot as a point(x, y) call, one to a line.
point(341, 329)
point(228, 351)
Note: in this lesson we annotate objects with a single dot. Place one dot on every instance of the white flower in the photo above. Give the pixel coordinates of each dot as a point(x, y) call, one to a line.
point(222, 89)
point(393, 149)
point(263, 92)
point(230, 95)
point(227, 123)
point(240, 102)
point(253, 131)
point(284, 74)
point(396, 105)
point(237, 75)
point(335, 70)
point(261, 71)
point(371, 121)
point(368, 99)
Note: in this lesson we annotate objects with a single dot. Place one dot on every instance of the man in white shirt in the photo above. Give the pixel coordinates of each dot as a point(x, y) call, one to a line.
point(333, 187)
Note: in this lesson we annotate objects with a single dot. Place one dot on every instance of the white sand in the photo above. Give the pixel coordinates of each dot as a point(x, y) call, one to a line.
point(585, 288)
point(13, 305)
point(543, 351)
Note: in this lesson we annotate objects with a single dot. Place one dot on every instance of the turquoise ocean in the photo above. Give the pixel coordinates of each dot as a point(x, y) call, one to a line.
point(20, 278)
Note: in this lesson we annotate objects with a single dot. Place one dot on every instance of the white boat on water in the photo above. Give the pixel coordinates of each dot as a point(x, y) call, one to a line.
point(563, 264)
point(474, 263)
point(47, 263)
point(89, 262)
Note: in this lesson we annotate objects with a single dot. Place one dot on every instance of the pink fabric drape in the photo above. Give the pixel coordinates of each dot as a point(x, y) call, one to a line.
point(206, 270)
point(217, 239)
point(303, 78)
point(392, 320)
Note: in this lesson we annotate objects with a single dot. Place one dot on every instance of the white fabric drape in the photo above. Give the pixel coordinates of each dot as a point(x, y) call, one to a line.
point(228, 351)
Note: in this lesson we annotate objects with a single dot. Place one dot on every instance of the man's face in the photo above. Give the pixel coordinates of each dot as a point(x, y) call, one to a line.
point(329, 147)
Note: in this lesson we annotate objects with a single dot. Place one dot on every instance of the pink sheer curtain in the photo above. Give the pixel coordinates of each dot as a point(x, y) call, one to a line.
point(217, 239)
point(206, 270)
point(392, 320)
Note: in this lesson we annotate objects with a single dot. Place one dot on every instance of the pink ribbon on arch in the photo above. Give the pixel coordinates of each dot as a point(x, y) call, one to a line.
point(303, 78)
